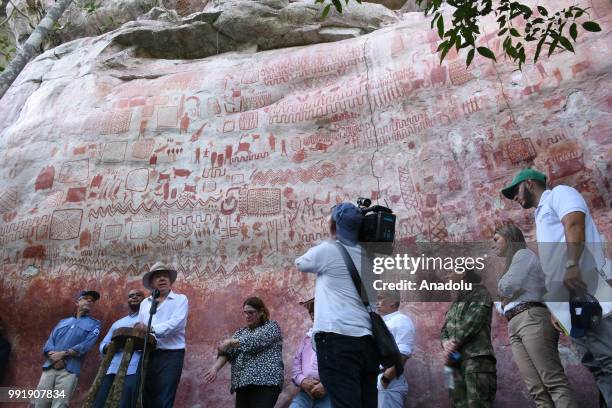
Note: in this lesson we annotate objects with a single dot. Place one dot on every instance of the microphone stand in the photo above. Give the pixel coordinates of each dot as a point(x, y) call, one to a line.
point(142, 368)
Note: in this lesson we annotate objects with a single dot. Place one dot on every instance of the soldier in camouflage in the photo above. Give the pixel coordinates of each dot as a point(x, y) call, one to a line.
point(467, 331)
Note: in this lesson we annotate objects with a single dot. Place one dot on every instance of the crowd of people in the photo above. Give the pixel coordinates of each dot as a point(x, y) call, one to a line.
point(337, 363)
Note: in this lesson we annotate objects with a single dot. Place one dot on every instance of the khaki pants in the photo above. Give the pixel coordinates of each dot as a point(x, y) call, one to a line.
point(534, 343)
point(58, 380)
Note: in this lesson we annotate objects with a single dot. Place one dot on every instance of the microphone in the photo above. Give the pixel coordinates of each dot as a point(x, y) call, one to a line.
point(155, 295)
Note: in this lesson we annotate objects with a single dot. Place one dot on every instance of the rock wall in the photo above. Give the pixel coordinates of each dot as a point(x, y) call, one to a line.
point(228, 166)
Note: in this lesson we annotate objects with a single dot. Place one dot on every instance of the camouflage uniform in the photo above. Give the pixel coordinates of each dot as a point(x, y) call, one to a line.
point(468, 322)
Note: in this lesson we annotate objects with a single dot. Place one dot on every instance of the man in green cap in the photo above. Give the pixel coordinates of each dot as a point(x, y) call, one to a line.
point(572, 257)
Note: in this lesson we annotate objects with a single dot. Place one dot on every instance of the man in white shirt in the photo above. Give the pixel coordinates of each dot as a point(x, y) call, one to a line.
point(346, 354)
point(130, 384)
point(168, 325)
point(392, 390)
point(572, 258)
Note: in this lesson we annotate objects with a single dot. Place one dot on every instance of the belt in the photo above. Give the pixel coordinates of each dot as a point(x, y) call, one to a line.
point(521, 308)
point(168, 351)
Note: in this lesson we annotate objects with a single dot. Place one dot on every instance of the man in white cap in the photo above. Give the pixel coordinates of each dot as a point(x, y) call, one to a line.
point(168, 326)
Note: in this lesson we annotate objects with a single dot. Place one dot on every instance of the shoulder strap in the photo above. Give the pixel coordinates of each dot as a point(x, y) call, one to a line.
point(350, 265)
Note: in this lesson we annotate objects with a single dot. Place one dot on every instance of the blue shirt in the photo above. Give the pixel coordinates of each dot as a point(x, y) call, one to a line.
point(127, 321)
point(71, 333)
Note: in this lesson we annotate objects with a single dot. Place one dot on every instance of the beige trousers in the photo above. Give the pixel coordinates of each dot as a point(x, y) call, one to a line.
point(58, 380)
point(534, 343)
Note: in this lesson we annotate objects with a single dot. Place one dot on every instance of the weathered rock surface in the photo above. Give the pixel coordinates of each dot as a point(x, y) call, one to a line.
point(228, 166)
point(278, 23)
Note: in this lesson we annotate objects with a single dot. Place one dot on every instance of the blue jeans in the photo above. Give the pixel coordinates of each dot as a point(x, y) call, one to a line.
point(163, 375)
point(302, 400)
point(130, 386)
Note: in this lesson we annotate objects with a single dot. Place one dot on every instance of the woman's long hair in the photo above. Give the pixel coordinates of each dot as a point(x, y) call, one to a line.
point(258, 304)
point(515, 239)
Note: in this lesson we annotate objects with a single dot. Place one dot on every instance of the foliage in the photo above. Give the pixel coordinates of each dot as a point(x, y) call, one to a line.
point(518, 24)
point(7, 50)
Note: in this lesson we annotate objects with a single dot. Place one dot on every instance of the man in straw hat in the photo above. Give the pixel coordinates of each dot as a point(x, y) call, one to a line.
point(168, 326)
point(572, 255)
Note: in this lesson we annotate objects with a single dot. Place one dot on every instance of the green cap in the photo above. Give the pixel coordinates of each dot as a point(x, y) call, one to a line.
point(525, 174)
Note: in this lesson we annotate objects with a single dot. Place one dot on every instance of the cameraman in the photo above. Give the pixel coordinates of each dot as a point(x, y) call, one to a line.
point(348, 362)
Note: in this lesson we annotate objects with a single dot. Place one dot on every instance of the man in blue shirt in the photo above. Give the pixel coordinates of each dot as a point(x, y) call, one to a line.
point(130, 384)
point(65, 348)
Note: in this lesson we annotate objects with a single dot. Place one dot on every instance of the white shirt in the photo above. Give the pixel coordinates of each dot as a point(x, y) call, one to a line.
point(553, 206)
point(402, 329)
point(127, 321)
point(169, 321)
point(523, 273)
point(338, 307)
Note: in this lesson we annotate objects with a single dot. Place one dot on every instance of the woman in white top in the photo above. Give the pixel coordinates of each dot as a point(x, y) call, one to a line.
point(532, 336)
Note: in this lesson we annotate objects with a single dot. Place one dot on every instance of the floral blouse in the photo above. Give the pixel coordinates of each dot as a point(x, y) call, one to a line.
point(259, 359)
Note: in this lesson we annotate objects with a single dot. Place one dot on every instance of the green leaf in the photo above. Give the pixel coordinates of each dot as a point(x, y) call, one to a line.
point(502, 32)
point(433, 20)
point(444, 52)
point(525, 10)
point(338, 5)
point(326, 11)
point(487, 53)
point(573, 31)
point(514, 32)
point(566, 43)
point(511, 51)
point(591, 26)
point(469, 58)
point(538, 49)
point(442, 45)
point(441, 26)
point(543, 11)
point(552, 46)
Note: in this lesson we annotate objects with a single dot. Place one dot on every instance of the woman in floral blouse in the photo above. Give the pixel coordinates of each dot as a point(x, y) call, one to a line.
point(256, 355)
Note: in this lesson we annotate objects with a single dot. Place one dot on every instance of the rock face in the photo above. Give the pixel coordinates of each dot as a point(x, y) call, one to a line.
point(113, 156)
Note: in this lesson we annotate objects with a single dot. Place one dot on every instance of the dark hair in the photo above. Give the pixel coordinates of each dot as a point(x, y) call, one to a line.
point(540, 183)
point(258, 304)
point(515, 238)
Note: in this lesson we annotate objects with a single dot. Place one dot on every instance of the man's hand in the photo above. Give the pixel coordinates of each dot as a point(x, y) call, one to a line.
point(388, 376)
point(56, 356)
point(449, 346)
point(308, 385)
point(140, 326)
point(573, 280)
point(318, 391)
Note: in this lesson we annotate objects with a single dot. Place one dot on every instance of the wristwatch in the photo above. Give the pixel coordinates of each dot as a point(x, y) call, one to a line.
point(570, 264)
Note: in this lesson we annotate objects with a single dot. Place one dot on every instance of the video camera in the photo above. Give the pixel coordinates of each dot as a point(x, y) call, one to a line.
point(378, 222)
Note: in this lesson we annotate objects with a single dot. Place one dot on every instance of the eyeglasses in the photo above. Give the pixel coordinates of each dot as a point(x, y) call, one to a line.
point(249, 312)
